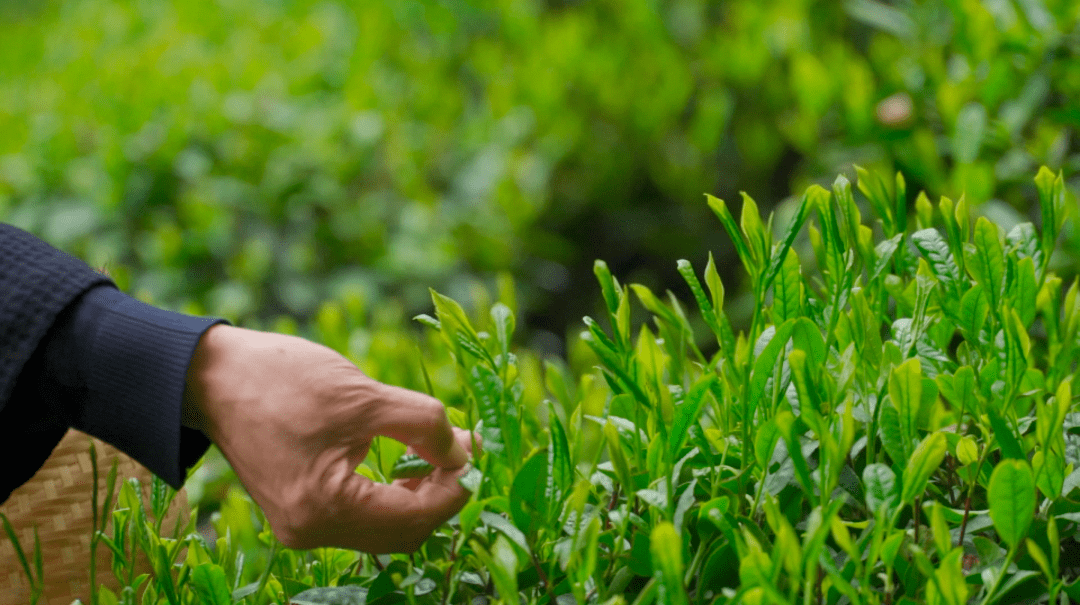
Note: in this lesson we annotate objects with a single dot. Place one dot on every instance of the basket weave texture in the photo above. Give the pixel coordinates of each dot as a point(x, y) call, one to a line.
point(58, 501)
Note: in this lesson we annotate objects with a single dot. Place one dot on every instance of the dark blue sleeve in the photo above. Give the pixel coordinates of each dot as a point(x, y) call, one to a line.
point(118, 366)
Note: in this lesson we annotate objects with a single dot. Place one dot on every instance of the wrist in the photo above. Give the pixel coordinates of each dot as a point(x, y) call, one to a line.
point(195, 412)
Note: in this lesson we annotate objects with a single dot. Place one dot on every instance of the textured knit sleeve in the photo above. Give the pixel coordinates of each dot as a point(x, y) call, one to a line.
point(37, 282)
point(103, 362)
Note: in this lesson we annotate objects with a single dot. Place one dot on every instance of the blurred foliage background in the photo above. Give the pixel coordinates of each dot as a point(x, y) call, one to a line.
point(256, 159)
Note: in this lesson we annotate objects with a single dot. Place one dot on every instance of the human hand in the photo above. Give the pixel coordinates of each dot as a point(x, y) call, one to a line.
point(295, 419)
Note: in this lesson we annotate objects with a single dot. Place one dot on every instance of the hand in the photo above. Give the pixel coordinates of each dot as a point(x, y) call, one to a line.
point(295, 419)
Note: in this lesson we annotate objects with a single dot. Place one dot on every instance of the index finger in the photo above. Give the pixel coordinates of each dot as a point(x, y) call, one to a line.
point(420, 422)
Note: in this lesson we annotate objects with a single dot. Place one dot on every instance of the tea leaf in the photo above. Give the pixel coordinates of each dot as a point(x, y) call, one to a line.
point(1011, 494)
point(503, 319)
point(936, 251)
point(880, 484)
point(742, 247)
point(986, 259)
point(874, 188)
point(974, 310)
point(753, 229)
point(688, 412)
point(781, 253)
point(501, 563)
point(787, 290)
point(892, 436)
point(560, 471)
point(609, 287)
point(1051, 189)
point(504, 526)
point(765, 361)
point(707, 312)
point(949, 586)
point(765, 443)
point(211, 586)
point(905, 391)
point(618, 456)
point(666, 549)
point(715, 285)
point(924, 461)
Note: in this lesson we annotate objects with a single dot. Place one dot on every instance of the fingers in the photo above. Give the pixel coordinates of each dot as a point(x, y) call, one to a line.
point(382, 518)
point(420, 422)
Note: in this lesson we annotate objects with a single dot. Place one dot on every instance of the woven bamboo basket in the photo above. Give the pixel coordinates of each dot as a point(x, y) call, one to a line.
point(57, 500)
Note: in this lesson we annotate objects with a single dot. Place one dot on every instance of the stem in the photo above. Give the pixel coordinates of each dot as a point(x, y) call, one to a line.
point(971, 492)
point(1001, 575)
point(543, 577)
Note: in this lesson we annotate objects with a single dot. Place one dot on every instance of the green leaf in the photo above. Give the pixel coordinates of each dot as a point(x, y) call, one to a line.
point(504, 526)
point(905, 391)
point(1023, 290)
point(1003, 434)
point(487, 387)
point(665, 545)
point(715, 285)
point(785, 422)
point(502, 564)
point(503, 318)
point(988, 255)
point(765, 443)
point(618, 457)
point(787, 290)
point(884, 252)
point(742, 247)
point(707, 312)
point(924, 461)
point(210, 584)
point(528, 508)
point(806, 336)
point(753, 229)
point(892, 437)
point(879, 482)
point(410, 466)
point(560, 470)
point(1052, 206)
point(936, 251)
point(809, 395)
point(765, 361)
point(881, 200)
point(949, 586)
point(974, 310)
point(471, 479)
point(609, 287)
point(780, 254)
point(1049, 467)
point(1011, 494)
point(688, 413)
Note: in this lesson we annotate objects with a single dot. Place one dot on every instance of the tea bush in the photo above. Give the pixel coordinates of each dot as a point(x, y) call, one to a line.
point(896, 425)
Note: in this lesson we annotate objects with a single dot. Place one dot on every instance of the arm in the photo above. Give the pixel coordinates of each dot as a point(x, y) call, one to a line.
point(292, 417)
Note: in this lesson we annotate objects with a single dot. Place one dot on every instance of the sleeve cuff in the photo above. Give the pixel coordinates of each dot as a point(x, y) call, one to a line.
point(135, 379)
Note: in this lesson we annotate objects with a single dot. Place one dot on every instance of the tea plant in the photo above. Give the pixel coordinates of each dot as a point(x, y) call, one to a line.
point(895, 424)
